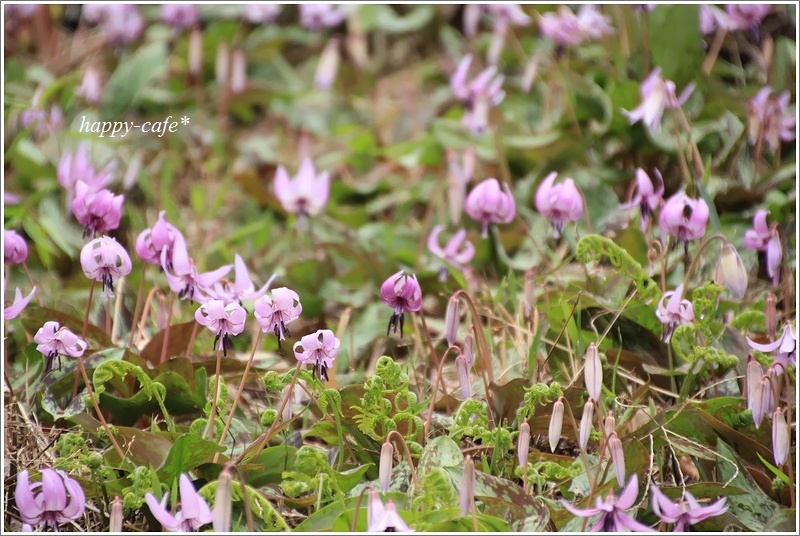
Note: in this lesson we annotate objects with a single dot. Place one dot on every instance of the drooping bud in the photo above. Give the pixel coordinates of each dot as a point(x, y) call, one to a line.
point(238, 72)
point(222, 65)
point(462, 369)
point(466, 495)
point(586, 424)
point(385, 465)
point(753, 375)
point(328, 65)
point(524, 442)
point(593, 372)
point(609, 424)
point(780, 437)
point(451, 319)
point(618, 457)
point(556, 422)
point(223, 502)
point(772, 316)
point(195, 59)
point(762, 400)
point(117, 516)
point(730, 271)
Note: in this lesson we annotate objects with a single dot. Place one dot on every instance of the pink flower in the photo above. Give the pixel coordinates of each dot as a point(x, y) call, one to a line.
point(103, 259)
point(786, 345)
point(458, 251)
point(506, 15)
point(43, 121)
point(182, 274)
point(305, 194)
point(384, 518)
point(758, 237)
point(487, 203)
point(242, 287)
point(15, 250)
point(612, 510)
point(483, 91)
point(152, 241)
point(261, 13)
point(91, 88)
point(684, 218)
point(647, 197)
point(686, 511)
point(194, 512)
point(770, 119)
point(402, 293)
point(746, 16)
point(316, 17)
point(274, 312)
point(328, 65)
point(320, 349)
point(657, 95)
point(56, 499)
point(52, 341)
point(561, 203)
point(677, 311)
point(593, 25)
point(563, 27)
point(781, 442)
point(75, 167)
point(180, 15)
point(119, 23)
point(98, 212)
point(223, 320)
point(13, 311)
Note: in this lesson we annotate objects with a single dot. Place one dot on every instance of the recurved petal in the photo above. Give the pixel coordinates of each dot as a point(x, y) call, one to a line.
point(160, 512)
point(26, 504)
point(542, 202)
point(588, 512)
point(54, 496)
point(77, 500)
point(628, 496)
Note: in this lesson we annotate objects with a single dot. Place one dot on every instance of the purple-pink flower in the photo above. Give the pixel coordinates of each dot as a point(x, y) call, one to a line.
point(306, 193)
point(786, 345)
point(98, 211)
point(478, 95)
point(758, 237)
point(74, 167)
point(316, 17)
point(103, 259)
point(223, 320)
point(770, 120)
point(684, 218)
point(15, 250)
point(402, 293)
point(613, 511)
point(13, 311)
point(657, 95)
point(684, 512)
point(119, 23)
point(746, 16)
point(56, 499)
point(320, 349)
point(261, 13)
point(242, 288)
point(458, 251)
point(182, 274)
point(382, 518)
point(561, 202)
point(194, 512)
point(52, 340)
point(91, 88)
point(275, 311)
point(565, 28)
point(676, 311)
point(487, 203)
point(43, 121)
point(648, 197)
point(180, 15)
point(152, 241)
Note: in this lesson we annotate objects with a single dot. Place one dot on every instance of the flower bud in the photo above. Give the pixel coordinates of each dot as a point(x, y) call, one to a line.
point(753, 375)
point(609, 424)
point(116, 518)
point(238, 72)
point(586, 424)
point(195, 59)
point(618, 457)
point(222, 64)
point(385, 465)
point(593, 372)
point(780, 437)
point(469, 348)
point(328, 65)
point(524, 442)
point(451, 319)
point(466, 495)
point(772, 316)
point(556, 422)
point(223, 502)
point(762, 400)
point(730, 271)
point(462, 369)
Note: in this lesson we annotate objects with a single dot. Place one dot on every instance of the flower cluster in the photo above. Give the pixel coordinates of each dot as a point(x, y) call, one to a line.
point(478, 95)
point(566, 29)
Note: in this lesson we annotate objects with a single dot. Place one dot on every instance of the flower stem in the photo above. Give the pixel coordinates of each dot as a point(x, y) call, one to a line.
point(238, 392)
point(435, 386)
point(191, 340)
point(89, 389)
point(434, 359)
point(138, 308)
point(30, 280)
point(213, 416)
point(691, 267)
point(88, 310)
point(165, 343)
point(408, 455)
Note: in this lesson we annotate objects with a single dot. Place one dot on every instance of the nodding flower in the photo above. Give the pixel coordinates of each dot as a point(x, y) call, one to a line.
point(484, 91)
point(241, 288)
point(307, 193)
point(15, 250)
point(275, 311)
point(316, 17)
point(182, 274)
point(180, 15)
point(402, 292)
point(98, 211)
point(56, 499)
point(225, 320)
point(487, 204)
point(786, 345)
point(648, 197)
point(684, 218)
point(74, 167)
point(53, 340)
point(103, 259)
point(686, 511)
point(765, 238)
point(119, 23)
point(675, 311)
point(18, 305)
point(152, 241)
point(770, 120)
point(382, 518)
point(613, 511)
point(561, 202)
point(458, 251)
point(657, 95)
point(320, 349)
point(261, 13)
point(194, 512)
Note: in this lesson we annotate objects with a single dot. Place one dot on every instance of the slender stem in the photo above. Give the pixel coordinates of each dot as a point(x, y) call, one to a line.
point(239, 392)
point(213, 417)
point(145, 313)
point(354, 523)
point(433, 357)
point(88, 309)
point(138, 308)
point(165, 343)
point(30, 280)
point(89, 389)
point(108, 316)
point(408, 455)
point(713, 53)
point(700, 249)
point(192, 338)
point(435, 386)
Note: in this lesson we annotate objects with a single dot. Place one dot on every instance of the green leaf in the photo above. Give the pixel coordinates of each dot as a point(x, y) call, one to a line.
point(676, 43)
point(755, 508)
point(130, 77)
point(440, 452)
point(186, 453)
point(259, 505)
